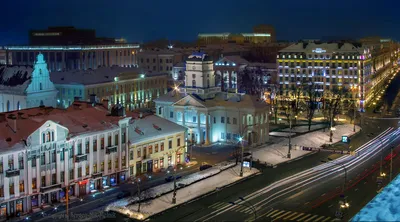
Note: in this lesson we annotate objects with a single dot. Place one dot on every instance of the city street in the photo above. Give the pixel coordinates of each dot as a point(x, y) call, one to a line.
point(283, 197)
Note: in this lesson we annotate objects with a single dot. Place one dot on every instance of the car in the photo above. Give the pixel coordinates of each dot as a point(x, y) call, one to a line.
point(123, 194)
point(205, 166)
point(171, 178)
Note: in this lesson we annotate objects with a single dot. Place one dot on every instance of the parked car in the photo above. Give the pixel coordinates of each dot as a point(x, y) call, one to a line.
point(205, 166)
point(123, 194)
point(171, 178)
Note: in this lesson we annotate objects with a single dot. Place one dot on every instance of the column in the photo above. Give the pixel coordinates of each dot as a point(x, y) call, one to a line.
point(207, 129)
point(199, 128)
point(80, 63)
point(87, 57)
point(63, 60)
point(183, 117)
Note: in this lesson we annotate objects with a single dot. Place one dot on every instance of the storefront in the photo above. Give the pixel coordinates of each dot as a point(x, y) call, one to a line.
point(96, 182)
point(122, 176)
point(19, 207)
point(138, 168)
point(113, 180)
point(82, 187)
point(3, 210)
point(50, 194)
point(35, 201)
point(105, 182)
point(150, 166)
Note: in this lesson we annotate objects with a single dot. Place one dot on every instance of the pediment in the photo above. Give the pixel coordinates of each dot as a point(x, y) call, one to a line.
point(189, 101)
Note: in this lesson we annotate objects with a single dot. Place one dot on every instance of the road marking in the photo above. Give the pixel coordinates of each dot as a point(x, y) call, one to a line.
point(268, 213)
point(323, 195)
point(296, 216)
point(306, 203)
point(291, 215)
point(309, 219)
point(330, 206)
point(319, 218)
point(277, 218)
point(214, 204)
point(326, 219)
point(276, 214)
point(304, 217)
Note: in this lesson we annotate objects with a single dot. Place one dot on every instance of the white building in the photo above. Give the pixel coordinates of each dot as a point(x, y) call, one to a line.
point(211, 115)
point(21, 87)
point(46, 152)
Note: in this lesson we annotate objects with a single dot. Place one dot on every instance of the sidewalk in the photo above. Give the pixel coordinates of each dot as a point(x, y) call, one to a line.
point(154, 180)
point(185, 194)
point(277, 153)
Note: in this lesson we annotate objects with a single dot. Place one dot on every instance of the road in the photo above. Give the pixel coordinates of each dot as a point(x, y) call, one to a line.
point(295, 184)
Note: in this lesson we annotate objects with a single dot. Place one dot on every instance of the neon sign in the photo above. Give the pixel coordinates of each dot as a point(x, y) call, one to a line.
point(318, 50)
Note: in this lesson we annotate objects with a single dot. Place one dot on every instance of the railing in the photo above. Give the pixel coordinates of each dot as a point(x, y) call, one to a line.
point(12, 173)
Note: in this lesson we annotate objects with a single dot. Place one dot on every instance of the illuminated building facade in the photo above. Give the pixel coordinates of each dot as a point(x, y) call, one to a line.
point(22, 87)
point(331, 66)
point(131, 87)
point(211, 115)
point(47, 152)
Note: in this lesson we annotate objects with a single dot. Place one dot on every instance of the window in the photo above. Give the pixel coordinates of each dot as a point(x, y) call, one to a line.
point(162, 163)
point(156, 148)
point(53, 156)
point(178, 142)
point(155, 164)
point(62, 177)
point(43, 181)
point(228, 136)
point(79, 172)
point(222, 119)
point(71, 152)
point(102, 166)
point(87, 146)
point(223, 136)
point(94, 168)
point(40, 86)
point(12, 188)
point(162, 146)
point(194, 119)
point(33, 164)
point(87, 170)
point(194, 83)
point(21, 186)
point(21, 162)
point(131, 155)
point(53, 178)
point(109, 164)
point(42, 159)
point(116, 139)
point(102, 143)
point(150, 149)
point(160, 60)
point(171, 114)
point(228, 120)
point(170, 144)
point(123, 137)
point(33, 183)
point(215, 120)
point(138, 152)
point(123, 161)
point(71, 174)
point(234, 121)
point(94, 144)
point(169, 160)
point(79, 148)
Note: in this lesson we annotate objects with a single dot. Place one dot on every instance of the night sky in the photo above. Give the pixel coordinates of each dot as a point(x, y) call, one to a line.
point(138, 20)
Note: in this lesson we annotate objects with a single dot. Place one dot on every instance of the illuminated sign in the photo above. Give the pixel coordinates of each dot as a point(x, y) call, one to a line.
point(47, 34)
point(318, 50)
point(246, 164)
point(345, 139)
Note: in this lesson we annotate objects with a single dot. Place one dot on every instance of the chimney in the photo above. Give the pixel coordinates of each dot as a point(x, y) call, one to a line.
point(105, 103)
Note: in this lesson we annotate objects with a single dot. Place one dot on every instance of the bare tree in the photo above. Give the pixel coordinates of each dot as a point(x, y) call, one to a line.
point(333, 106)
point(311, 96)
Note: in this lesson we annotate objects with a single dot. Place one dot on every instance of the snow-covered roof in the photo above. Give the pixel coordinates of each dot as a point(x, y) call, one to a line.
point(263, 65)
point(90, 77)
point(237, 60)
point(152, 127)
point(160, 52)
point(170, 97)
point(329, 47)
point(199, 56)
point(385, 205)
point(15, 79)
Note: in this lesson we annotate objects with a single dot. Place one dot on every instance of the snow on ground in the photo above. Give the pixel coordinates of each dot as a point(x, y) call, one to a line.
point(168, 187)
point(183, 195)
point(277, 152)
point(304, 129)
point(281, 134)
point(385, 205)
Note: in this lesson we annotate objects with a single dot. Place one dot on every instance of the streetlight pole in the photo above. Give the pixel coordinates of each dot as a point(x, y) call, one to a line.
point(174, 194)
point(241, 159)
point(289, 155)
point(331, 129)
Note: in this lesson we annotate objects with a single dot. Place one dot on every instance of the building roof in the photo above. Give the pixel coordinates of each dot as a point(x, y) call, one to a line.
point(199, 56)
point(152, 127)
point(79, 118)
point(263, 65)
point(159, 52)
point(170, 97)
point(90, 77)
point(329, 47)
point(15, 79)
point(237, 60)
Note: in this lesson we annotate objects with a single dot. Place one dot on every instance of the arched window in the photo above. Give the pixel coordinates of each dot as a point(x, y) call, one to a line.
point(194, 83)
point(18, 106)
point(8, 106)
point(48, 138)
point(41, 103)
point(40, 86)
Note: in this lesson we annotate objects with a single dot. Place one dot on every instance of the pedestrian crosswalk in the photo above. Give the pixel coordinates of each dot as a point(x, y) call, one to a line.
point(273, 214)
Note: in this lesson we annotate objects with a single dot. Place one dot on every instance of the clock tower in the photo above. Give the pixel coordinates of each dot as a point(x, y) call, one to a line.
point(200, 78)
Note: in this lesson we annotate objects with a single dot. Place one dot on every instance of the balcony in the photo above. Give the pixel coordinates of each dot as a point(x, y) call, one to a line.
point(12, 173)
point(97, 175)
point(111, 149)
point(80, 158)
point(50, 188)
